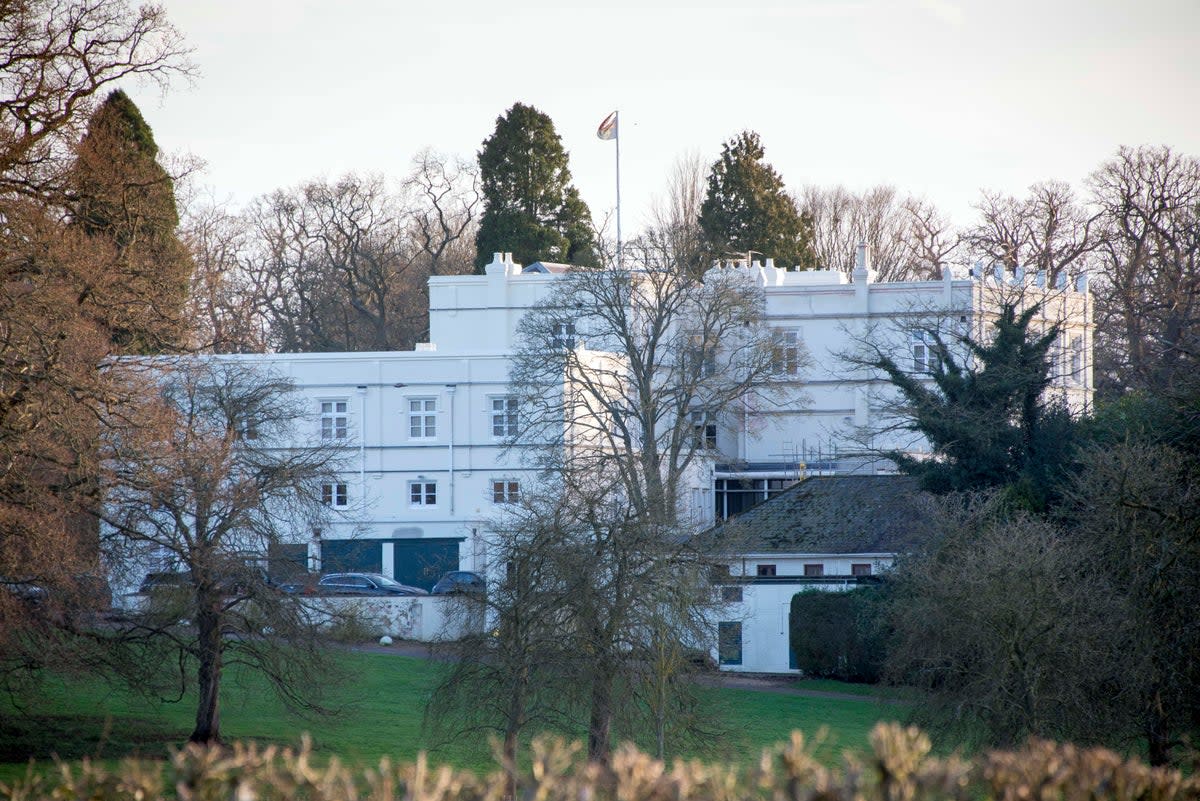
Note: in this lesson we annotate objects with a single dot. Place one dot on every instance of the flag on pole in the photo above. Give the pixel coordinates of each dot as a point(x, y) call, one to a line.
point(608, 128)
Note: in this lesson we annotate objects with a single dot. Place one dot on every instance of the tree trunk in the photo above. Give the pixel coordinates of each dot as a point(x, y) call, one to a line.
point(600, 722)
point(1158, 735)
point(510, 760)
point(512, 731)
point(208, 676)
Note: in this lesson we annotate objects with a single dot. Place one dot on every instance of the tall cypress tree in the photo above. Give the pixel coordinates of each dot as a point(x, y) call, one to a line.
point(530, 207)
point(124, 197)
point(746, 208)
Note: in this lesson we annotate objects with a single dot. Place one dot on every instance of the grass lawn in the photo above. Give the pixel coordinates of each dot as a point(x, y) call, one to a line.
point(381, 715)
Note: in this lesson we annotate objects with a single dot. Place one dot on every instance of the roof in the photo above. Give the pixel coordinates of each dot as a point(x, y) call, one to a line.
point(548, 267)
point(831, 515)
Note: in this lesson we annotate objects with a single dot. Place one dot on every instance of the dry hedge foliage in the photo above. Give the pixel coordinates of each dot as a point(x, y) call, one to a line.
point(901, 769)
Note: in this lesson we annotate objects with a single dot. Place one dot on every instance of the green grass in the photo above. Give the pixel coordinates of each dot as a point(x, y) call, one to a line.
point(381, 714)
point(876, 691)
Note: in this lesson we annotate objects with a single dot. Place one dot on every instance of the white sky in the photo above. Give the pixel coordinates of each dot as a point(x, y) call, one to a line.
point(938, 97)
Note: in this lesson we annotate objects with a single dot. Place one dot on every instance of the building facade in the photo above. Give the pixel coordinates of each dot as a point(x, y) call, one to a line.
point(425, 433)
point(842, 421)
point(822, 534)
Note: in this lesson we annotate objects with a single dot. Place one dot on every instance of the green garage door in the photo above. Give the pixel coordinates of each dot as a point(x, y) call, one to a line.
point(422, 562)
point(287, 561)
point(351, 556)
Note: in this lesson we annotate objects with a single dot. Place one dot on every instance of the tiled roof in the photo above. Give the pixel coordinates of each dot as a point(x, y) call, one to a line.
point(830, 515)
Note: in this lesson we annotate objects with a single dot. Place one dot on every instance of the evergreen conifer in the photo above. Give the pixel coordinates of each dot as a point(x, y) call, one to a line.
point(530, 207)
point(123, 195)
point(747, 208)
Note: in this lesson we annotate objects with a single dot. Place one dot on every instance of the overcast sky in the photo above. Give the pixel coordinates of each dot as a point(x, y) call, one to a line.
point(938, 97)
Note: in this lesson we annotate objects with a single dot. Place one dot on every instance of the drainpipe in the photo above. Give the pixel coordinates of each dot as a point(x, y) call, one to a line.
point(362, 441)
point(450, 389)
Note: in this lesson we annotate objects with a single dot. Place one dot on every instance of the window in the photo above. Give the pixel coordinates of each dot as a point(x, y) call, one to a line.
point(787, 351)
point(729, 643)
point(422, 493)
point(563, 337)
point(704, 431)
point(765, 570)
point(863, 569)
point(1076, 355)
point(334, 419)
point(814, 571)
point(422, 418)
point(699, 361)
point(735, 495)
point(924, 350)
point(731, 594)
point(504, 416)
point(506, 492)
point(335, 495)
point(247, 429)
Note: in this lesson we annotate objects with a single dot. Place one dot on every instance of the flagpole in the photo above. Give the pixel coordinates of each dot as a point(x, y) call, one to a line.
point(620, 260)
point(610, 128)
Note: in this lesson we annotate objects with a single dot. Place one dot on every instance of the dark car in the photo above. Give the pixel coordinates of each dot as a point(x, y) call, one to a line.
point(460, 581)
point(243, 581)
point(165, 580)
point(26, 591)
point(363, 584)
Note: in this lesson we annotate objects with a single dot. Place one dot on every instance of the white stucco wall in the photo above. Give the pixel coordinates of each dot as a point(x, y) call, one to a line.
point(766, 602)
point(465, 365)
point(833, 315)
point(426, 618)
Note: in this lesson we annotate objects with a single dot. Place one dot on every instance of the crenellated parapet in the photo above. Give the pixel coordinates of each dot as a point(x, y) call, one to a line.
point(766, 274)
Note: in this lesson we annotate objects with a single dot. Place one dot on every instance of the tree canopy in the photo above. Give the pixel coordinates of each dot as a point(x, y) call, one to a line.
point(746, 208)
point(984, 416)
point(531, 209)
point(58, 303)
point(205, 475)
point(121, 196)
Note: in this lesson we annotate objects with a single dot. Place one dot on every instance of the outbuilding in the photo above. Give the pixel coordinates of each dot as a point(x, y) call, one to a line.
point(824, 533)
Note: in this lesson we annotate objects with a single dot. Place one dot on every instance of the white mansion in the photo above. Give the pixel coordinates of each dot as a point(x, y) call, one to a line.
point(425, 429)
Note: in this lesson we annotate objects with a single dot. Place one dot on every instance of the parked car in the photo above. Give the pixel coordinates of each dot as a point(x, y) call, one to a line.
point(25, 591)
point(165, 580)
point(363, 584)
point(460, 581)
point(240, 582)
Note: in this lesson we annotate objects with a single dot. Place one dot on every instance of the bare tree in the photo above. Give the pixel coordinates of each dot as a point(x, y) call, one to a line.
point(205, 474)
point(328, 264)
point(932, 239)
point(221, 306)
point(909, 238)
point(641, 352)
point(604, 592)
point(513, 673)
point(1007, 624)
point(1148, 292)
point(443, 211)
point(1135, 503)
point(833, 213)
point(56, 58)
point(1048, 232)
point(621, 376)
point(674, 232)
point(344, 265)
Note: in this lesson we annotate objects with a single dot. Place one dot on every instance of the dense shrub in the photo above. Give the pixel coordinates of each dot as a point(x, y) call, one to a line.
point(900, 769)
point(838, 635)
